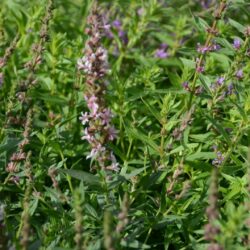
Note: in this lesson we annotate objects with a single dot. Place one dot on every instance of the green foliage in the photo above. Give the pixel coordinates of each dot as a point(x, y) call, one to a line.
point(166, 132)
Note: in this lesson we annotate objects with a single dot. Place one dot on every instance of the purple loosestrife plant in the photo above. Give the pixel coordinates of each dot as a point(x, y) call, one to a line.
point(98, 131)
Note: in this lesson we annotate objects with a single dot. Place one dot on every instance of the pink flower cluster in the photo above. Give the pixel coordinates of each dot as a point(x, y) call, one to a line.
point(88, 63)
point(98, 131)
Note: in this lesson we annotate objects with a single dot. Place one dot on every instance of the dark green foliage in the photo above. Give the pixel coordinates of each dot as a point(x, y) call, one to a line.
point(167, 133)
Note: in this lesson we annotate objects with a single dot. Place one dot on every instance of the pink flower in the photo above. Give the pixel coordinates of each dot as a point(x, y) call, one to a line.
point(80, 64)
point(112, 133)
point(92, 104)
point(84, 118)
point(106, 116)
point(114, 167)
point(87, 136)
point(96, 151)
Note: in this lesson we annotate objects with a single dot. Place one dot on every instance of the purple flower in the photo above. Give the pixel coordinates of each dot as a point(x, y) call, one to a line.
point(106, 27)
point(205, 3)
point(237, 43)
point(215, 47)
point(202, 49)
point(219, 160)
point(117, 24)
point(199, 67)
point(123, 35)
point(220, 80)
point(229, 90)
point(185, 85)
point(239, 74)
point(162, 51)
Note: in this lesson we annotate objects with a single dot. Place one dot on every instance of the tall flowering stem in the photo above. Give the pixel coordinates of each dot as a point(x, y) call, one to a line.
point(79, 205)
point(32, 65)
point(94, 65)
point(8, 52)
point(211, 230)
point(3, 62)
point(212, 31)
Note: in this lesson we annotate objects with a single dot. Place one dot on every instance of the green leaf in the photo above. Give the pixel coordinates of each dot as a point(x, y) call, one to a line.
point(33, 206)
point(91, 210)
point(201, 137)
point(201, 156)
point(201, 24)
point(237, 25)
point(167, 220)
point(10, 144)
point(134, 244)
point(174, 79)
point(49, 98)
point(134, 172)
point(86, 177)
point(219, 128)
point(190, 64)
point(241, 110)
point(134, 133)
point(152, 110)
point(205, 82)
point(181, 148)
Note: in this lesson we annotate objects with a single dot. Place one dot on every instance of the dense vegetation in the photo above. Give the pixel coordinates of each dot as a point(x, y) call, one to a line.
point(125, 124)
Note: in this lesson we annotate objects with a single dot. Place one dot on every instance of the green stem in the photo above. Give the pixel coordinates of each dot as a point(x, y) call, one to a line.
point(67, 176)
